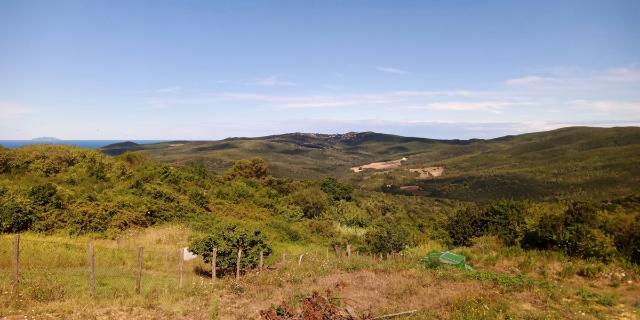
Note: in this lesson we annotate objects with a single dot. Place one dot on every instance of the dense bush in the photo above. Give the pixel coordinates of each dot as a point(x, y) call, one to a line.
point(45, 194)
point(228, 239)
point(82, 190)
point(15, 217)
point(506, 219)
point(349, 214)
point(389, 235)
point(465, 225)
point(336, 190)
point(254, 168)
point(312, 200)
point(581, 230)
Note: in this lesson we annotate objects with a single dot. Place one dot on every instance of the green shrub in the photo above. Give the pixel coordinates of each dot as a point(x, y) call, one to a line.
point(588, 242)
point(505, 219)
point(227, 239)
point(199, 199)
point(285, 229)
point(465, 225)
point(349, 214)
point(590, 270)
point(336, 190)
point(312, 200)
point(44, 195)
point(568, 270)
point(388, 235)
point(255, 168)
point(322, 227)
point(15, 217)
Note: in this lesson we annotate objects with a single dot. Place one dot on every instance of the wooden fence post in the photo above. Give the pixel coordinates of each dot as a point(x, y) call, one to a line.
point(261, 265)
point(348, 250)
point(238, 263)
point(181, 267)
point(92, 276)
point(16, 263)
point(139, 273)
point(214, 257)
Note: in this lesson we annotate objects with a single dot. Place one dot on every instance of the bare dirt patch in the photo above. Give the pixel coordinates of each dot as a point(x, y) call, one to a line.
point(365, 290)
point(411, 189)
point(386, 165)
point(428, 172)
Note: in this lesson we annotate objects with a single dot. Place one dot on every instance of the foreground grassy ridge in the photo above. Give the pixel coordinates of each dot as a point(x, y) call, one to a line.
point(507, 282)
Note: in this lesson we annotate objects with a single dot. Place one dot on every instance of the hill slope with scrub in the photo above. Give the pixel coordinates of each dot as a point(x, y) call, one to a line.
point(558, 256)
point(568, 163)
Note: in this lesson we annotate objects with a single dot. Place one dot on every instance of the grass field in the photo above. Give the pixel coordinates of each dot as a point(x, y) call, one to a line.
point(506, 283)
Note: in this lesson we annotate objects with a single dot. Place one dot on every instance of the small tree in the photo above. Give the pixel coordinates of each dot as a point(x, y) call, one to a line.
point(336, 190)
point(465, 225)
point(388, 235)
point(45, 194)
point(313, 201)
point(506, 219)
point(227, 239)
point(15, 217)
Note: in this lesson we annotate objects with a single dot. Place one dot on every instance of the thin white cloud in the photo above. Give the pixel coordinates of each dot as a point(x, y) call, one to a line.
point(271, 81)
point(569, 93)
point(172, 89)
point(572, 77)
point(304, 101)
point(532, 80)
point(491, 106)
point(11, 110)
point(446, 93)
point(391, 70)
point(622, 74)
point(607, 106)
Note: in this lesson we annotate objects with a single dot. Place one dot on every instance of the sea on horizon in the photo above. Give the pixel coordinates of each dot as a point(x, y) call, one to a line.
point(80, 143)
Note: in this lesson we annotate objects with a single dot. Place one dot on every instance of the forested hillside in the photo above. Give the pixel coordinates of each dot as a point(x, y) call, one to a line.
point(59, 188)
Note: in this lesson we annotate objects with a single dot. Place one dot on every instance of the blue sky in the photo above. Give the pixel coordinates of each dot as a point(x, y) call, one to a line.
point(214, 69)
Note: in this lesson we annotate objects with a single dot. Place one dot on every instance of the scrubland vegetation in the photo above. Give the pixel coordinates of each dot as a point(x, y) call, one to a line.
point(534, 257)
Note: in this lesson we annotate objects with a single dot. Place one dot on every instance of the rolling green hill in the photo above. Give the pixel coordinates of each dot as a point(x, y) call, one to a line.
point(564, 163)
point(60, 197)
point(294, 155)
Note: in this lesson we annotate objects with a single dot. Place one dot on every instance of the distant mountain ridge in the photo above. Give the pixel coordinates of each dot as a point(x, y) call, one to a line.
point(126, 144)
point(120, 147)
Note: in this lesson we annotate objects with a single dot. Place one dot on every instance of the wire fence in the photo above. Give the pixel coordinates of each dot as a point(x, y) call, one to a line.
point(31, 264)
point(47, 268)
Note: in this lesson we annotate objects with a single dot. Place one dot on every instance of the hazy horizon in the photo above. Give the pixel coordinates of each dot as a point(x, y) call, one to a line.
point(152, 140)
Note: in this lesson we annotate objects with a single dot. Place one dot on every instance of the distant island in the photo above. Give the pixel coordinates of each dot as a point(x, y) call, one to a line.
point(46, 139)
